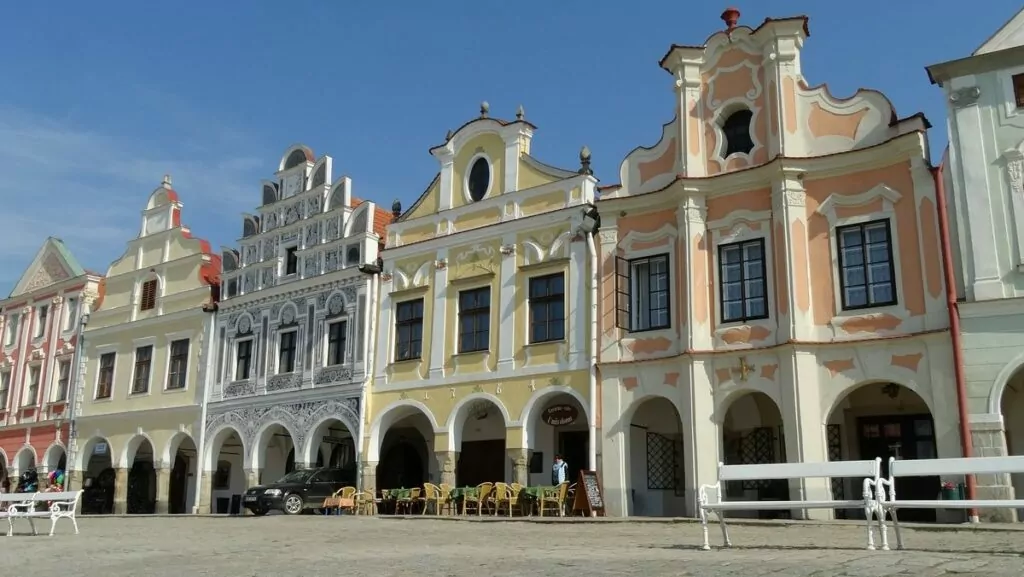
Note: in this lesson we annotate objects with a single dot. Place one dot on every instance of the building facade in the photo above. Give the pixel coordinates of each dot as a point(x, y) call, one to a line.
point(293, 343)
point(39, 325)
point(772, 283)
point(483, 363)
point(137, 413)
point(984, 180)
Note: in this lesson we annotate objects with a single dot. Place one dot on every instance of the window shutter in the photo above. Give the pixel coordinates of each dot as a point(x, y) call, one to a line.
point(622, 297)
point(148, 295)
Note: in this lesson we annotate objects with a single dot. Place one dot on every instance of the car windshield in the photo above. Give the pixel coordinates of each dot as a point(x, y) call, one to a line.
point(300, 476)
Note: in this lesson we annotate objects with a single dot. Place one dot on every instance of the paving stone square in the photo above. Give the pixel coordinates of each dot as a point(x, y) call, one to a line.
point(309, 546)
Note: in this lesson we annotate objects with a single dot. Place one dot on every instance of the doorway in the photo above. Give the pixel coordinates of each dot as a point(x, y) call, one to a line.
point(902, 437)
point(574, 446)
point(481, 462)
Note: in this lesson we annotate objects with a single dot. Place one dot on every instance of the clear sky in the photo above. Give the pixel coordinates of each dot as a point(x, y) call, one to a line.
point(100, 99)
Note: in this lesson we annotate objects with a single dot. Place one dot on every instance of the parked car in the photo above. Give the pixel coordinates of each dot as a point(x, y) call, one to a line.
point(300, 490)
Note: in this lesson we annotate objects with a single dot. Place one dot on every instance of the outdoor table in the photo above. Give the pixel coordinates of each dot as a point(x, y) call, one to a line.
point(534, 494)
point(396, 494)
point(459, 494)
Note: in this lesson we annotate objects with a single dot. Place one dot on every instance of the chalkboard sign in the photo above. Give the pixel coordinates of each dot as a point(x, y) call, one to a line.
point(588, 501)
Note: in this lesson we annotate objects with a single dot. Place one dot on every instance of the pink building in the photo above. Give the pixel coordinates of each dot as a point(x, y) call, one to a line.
point(39, 327)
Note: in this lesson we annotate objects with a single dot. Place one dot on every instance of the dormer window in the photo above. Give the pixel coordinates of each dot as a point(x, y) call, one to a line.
point(737, 133)
point(479, 179)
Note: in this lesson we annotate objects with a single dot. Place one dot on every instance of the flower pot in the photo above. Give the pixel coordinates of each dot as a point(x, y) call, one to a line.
point(951, 494)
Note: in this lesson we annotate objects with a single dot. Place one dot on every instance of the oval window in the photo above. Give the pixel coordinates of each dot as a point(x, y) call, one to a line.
point(479, 179)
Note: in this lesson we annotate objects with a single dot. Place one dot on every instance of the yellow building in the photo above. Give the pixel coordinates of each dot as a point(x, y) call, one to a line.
point(137, 411)
point(486, 326)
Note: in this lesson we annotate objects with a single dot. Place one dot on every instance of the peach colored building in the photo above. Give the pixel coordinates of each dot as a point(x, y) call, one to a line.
point(772, 283)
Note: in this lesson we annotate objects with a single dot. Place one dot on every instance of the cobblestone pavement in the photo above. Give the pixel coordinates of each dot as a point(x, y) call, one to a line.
point(309, 546)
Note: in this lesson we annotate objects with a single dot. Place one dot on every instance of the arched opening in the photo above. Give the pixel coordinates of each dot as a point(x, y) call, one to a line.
point(1012, 407)
point(557, 425)
point(25, 460)
point(99, 479)
point(657, 487)
point(334, 446)
point(752, 433)
point(5, 483)
point(479, 430)
point(406, 449)
point(141, 478)
point(883, 420)
point(275, 451)
point(56, 461)
point(226, 464)
point(181, 486)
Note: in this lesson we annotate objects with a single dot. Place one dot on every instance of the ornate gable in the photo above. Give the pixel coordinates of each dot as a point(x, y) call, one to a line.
point(51, 265)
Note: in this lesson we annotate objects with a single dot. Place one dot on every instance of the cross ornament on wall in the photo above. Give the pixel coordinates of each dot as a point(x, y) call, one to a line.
point(744, 369)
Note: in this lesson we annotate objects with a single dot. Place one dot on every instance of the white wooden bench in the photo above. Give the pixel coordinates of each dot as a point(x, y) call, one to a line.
point(61, 505)
point(869, 471)
point(889, 502)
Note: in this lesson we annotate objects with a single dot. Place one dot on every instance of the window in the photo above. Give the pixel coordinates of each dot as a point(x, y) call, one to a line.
point(479, 179)
point(352, 255)
point(475, 320)
point(71, 313)
point(648, 293)
point(43, 312)
point(291, 260)
point(105, 383)
point(31, 394)
point(177, 370)
point(1018, 89)
point(547, 308)
point(737, 133)
point(409, 330)
point(866, 270)
point(243, 359)
point(143, 361)
point(148, 300)
point(12, 328)
point(741, 281)
point(286, 354)
point(336, 334)
point(5, 385)
point(63, 378)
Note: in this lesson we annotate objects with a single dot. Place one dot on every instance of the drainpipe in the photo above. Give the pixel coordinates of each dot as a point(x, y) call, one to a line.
point(211, 358)
point(954, 330)
point(592, 410)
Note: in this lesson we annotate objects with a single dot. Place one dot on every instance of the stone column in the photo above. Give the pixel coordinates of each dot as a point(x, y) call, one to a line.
point(989, 440)
point(368, 483)
point(120, 491)
point(521, 465)
point(447, 461)
point(252, 477)
point(205, 492)
point(163, 490)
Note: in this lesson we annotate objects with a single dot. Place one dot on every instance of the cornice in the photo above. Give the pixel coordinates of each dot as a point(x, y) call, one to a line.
point(292, 290)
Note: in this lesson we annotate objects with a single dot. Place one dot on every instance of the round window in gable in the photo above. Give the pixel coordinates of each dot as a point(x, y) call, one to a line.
point(479, 179)
point(736, 129)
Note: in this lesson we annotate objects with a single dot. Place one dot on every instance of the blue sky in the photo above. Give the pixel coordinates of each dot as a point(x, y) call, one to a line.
point(100, 99)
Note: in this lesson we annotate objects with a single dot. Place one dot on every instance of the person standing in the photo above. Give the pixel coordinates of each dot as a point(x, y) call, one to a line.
point(559, 471)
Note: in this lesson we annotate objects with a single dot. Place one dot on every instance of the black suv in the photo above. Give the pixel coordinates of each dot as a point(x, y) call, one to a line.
point(297, 491)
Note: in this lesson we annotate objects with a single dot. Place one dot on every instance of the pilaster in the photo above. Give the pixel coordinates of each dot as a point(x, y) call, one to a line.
point(252, 476)
point(438, 314)
point(989, 440)
point(205, 492)
point(506, 312)
point(691, 219)
point(578, 282)
point(163, 489)
point(802, 420)
point(701, 432)
point(793, 266)
point(447, 461)
point(120, 491)
point(369, 480)
point(384, 332)
point(690, 111)
point(608, 247)
point(74, 482)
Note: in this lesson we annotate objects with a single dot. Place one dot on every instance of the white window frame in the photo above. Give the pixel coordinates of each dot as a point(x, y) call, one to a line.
point(1009, 98)
point(41, 320)
point(136, 345)
point(171, 338)
point(490, 177)
point(394, 328)
point(71, 305)
point(100, 351)
point(11, 329)
point(55, 385)
point(734, 228)
point(234, 357)
point(7, 388)
point(327, 340)
point(827, 208)
point(37, 369)
point(277, 351)
point(283, 267)
point(458, 318)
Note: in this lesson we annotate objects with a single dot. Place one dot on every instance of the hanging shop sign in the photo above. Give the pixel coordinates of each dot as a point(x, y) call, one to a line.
point(560, 415)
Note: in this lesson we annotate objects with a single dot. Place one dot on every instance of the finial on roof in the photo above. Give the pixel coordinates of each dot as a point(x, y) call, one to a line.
point(484, 109)
point(585, 161)
point(167, 181)
point(520, 114)
point(731, 16)
point(396, 208)
point(448, 135)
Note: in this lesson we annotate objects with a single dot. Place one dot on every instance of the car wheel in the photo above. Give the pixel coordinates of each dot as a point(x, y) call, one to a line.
point(293, 504)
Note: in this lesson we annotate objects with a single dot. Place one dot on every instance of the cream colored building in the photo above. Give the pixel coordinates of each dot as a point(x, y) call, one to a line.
point(137, 411)
point(485, 319)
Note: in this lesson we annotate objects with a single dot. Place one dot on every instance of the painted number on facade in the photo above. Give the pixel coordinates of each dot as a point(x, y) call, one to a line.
point(560, 415)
